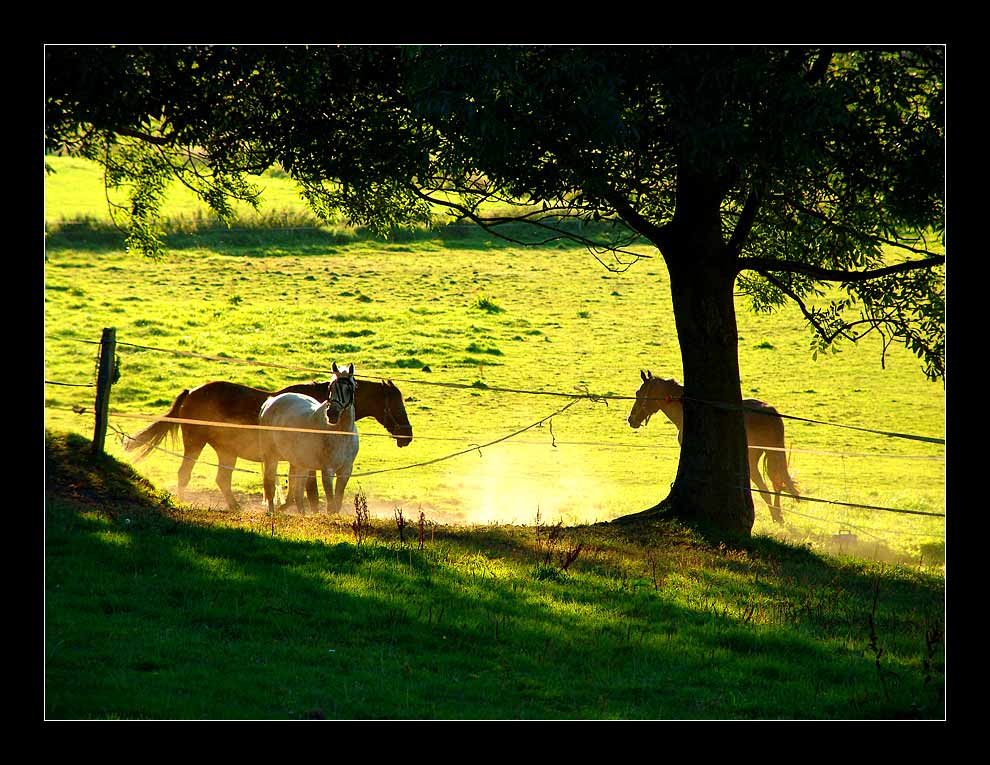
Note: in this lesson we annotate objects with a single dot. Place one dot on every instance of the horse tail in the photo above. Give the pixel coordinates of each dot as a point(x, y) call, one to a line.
point(148, 439)
point(776, 463)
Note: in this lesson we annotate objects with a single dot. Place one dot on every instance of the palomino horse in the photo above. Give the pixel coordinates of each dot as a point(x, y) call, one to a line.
point(764, 432)
point(332, 454)
point(226, 402)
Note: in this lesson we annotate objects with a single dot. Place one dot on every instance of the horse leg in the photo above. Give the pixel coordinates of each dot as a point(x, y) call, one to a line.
point(301, 478)
point(312, 491)
point(289, 500)
point(327, 475)
point(268, 481)
point(225, 471)
point(756, 476)
point(775, 510)
point(343, 476)
point(192, 447)
point(779, 484)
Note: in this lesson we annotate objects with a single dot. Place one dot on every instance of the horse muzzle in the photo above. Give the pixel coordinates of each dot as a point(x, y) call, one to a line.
point(403, 439)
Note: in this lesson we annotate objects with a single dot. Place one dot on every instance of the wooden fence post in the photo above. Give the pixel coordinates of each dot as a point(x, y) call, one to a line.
point(104, 379)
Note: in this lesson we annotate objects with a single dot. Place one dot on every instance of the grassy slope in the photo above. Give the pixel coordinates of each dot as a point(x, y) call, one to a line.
point(158, 610)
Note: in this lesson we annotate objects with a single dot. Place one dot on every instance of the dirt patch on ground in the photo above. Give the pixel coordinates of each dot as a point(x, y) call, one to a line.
point(253, 506)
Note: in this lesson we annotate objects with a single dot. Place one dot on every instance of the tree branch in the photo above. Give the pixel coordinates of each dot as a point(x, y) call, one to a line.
point(765, 266)
point(146, 137)
point(745, 223)
point(555, 233)
point(831, 223)
point(656, 234)
point(808, 314)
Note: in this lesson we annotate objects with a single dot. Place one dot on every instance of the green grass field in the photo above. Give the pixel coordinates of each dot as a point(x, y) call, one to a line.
point(475, 312)
point(168, 610)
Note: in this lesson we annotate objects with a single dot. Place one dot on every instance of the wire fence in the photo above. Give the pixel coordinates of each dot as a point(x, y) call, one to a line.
point(579, 394)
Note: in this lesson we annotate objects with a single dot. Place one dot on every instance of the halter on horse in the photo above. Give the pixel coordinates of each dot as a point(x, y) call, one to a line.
point(332, 452)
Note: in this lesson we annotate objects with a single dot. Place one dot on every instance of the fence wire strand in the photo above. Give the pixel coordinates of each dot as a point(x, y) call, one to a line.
point(584, 394)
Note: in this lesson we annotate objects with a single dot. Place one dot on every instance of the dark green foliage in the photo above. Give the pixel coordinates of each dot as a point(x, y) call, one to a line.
point(818, 162)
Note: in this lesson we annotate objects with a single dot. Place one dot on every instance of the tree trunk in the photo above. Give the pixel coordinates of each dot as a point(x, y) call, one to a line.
point(711, 490)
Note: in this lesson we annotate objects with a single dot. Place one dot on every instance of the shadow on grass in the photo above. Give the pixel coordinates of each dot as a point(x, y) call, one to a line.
point(267, 240)
point(154, 611)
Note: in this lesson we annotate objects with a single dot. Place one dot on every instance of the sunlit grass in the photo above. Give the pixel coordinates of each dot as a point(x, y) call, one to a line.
point(562, 324)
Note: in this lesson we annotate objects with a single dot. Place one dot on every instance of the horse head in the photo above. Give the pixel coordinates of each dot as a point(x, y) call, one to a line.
point(341, 392)
point(394, 417)
point(651, 393)
point(641, 408)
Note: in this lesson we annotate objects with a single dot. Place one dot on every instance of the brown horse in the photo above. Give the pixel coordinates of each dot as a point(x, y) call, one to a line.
point(764, 433)
point(227, 402)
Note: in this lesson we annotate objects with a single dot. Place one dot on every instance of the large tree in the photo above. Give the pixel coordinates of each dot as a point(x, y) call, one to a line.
point(773, 171)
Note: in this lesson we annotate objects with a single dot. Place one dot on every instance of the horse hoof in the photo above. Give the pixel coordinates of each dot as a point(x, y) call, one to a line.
point(291, 508)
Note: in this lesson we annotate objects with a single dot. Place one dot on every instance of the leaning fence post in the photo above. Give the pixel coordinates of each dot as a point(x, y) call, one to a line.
point(104, 379)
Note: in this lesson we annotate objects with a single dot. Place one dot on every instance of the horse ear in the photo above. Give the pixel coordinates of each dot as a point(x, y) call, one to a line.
point(642, 374)
point(334, 368)
point(350, 369)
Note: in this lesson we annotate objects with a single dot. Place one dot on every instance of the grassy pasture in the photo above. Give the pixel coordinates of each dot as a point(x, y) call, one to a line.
point(156, 609)
point(475, 312)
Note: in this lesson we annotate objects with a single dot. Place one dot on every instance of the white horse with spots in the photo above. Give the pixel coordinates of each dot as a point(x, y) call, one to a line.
point(331, 451)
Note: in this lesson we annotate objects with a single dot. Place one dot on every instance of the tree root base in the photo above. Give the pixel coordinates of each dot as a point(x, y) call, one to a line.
point(666, 511)
point(655, 513)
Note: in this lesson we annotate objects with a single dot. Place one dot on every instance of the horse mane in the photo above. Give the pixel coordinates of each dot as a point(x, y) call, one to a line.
point(380, 381)
point(647, 376)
